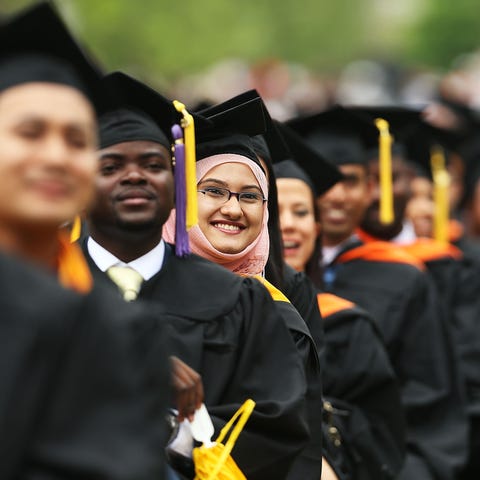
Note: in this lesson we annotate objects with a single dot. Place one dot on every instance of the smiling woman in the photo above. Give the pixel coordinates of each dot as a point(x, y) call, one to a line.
point(233, 231)
point(237, 226)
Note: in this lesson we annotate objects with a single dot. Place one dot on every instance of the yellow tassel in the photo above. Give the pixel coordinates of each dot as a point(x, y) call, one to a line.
point(76, 229)
point(385, 158)
point(441, 185)
point(190, 165)
point(215, 463)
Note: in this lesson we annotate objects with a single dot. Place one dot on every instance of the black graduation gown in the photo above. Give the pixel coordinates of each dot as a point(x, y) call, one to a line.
point(357, 379)
point(303, 294)
point(458, 281)
point(469, 247)
point(227, 328)
point(81, 397)
point(404, 303)
point(308, 464)
point(466, 314)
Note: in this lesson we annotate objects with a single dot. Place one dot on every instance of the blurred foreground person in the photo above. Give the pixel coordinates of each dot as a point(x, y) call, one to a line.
point(81, 395)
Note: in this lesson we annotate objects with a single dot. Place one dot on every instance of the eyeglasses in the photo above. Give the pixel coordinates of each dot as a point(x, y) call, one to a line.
point(223, 195)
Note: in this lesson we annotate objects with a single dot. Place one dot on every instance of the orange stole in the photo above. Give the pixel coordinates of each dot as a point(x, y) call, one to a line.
point(423, 249)
point(427, 249)
point(455, 230)
point(72, 268)
point(376, 251)
point(330, 304)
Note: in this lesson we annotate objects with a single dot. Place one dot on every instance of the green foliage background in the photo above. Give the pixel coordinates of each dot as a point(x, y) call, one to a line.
point(166, 39)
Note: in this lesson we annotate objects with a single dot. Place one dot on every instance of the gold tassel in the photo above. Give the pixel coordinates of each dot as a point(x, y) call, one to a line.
point(441, 185)
point(76, 229)
point(385, 159)
point(188, 126)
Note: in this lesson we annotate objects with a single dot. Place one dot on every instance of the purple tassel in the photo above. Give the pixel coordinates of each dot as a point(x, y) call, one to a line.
point(182, 247)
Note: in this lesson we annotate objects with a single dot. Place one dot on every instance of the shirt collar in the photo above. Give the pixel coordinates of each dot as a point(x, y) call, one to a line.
point(406, 235)
point(330, 253)
point(147, 265)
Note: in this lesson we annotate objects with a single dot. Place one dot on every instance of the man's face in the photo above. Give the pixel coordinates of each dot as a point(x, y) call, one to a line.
point(343, 206)
point(401, 178)
point(47, 154)
point(421, 207)
point(134, 187)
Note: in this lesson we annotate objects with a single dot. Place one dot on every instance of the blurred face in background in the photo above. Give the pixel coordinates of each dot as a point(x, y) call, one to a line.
point(342, 208)
point(47, 154)
point(421, 207)
point(401, 178)
point(298, 222)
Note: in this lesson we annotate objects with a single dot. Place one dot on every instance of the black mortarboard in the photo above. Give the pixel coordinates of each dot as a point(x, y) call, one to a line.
point(403, 121)
point(419, 143)
point(135, 111)
point(291, 169)
point(337, 134)
point(233, 123)
point(322, 173)
point(270, 145)
point(36, 46)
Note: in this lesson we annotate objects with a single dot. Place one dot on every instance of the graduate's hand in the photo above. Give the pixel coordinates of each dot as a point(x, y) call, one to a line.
point(187, 389)
point(327, 471)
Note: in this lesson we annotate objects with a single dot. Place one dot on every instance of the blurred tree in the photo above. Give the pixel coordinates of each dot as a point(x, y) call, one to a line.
point(447, 30)
point(160, 40)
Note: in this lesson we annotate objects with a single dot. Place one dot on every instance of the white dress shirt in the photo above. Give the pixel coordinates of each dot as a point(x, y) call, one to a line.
point(147, 265)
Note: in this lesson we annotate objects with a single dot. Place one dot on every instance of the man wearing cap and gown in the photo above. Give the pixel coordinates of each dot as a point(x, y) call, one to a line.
point(393, 288)
point(81, 395)
point(224, 326)
point(456, 276)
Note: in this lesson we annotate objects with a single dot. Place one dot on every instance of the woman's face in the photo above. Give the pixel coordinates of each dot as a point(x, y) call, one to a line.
point(47, 154)
point(233, 225)
point(297, 221)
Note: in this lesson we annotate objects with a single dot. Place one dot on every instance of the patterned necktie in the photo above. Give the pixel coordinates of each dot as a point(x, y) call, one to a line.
point(128, 281)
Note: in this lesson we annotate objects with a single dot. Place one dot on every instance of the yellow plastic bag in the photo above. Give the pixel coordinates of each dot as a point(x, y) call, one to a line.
point(215, 462)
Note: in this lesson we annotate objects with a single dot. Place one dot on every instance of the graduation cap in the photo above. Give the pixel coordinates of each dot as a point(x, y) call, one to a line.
point(339, 135)
point(135, 111)
point(322, 173)
point(403, 121)
point(343, 137)
point(233, 123)
point(291, 169)
point(36, 46)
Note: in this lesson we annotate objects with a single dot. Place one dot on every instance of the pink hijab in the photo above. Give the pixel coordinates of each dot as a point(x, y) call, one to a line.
point(251, 260)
